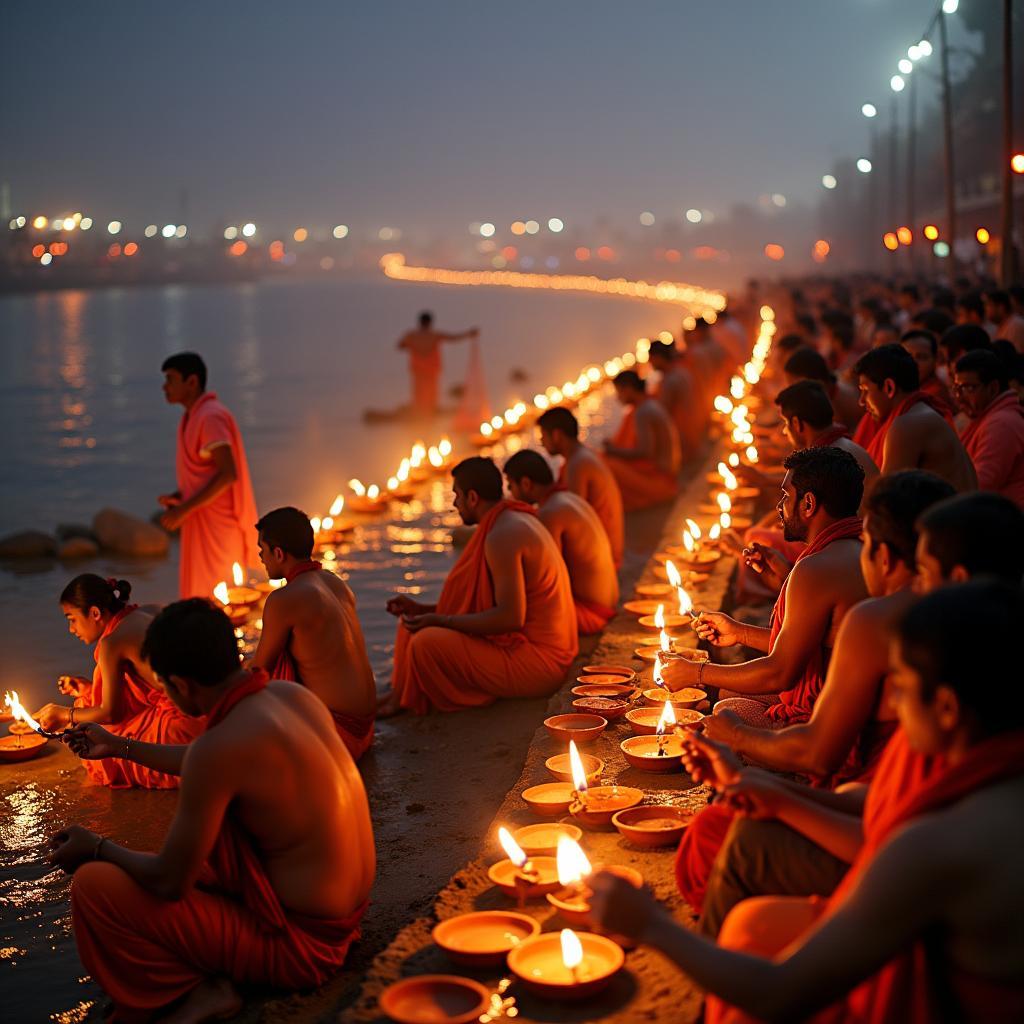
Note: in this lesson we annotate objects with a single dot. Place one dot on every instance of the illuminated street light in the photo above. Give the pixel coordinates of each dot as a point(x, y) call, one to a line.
point(914, 52)
point(869, 110)
point(950, 6)
point(340, 231)
point(555, 224)
point(694, 216)
point(249, 229)
point(931, 232)
point(897, 84)
point(864, 165)
point(168, 230)
point(647, 218)
point(829, 181)
point(114, 227)
point(982, 235)
point(1017, 163)
point(905, 66)
point(487, 229)
point(924, 48)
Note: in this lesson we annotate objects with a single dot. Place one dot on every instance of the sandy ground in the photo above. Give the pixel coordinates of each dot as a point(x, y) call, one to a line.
point(435, 783)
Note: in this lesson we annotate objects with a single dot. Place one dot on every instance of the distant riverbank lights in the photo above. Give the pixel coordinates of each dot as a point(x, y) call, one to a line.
point(698, 301)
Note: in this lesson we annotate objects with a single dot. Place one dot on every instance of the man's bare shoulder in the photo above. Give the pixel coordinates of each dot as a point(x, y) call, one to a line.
point(820, 568)
point(512, 528)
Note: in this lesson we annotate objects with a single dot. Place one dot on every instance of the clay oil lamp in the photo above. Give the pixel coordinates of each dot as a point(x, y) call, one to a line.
point(593, 806)
point(542, 840)
point(653, 590)
point(609, 708)
point(400, 487)
point(681, 700)
point(670, 623)
point(660, 753)
point(366, 499)
point(560, 766)
point(550, 799)
point(644, 721)
point(22, 746)
point(331, 529)
point(237, 614)
point(644, 606)
point(613, 691)
point(483, 938)
point(485, 436)
point(605, 672)
point(519, 876)
point(690, 556)
point(240, 595)
point(419, 465)
point(658, 653)
point(566, 966)
point(652, 826)
point(435, 999)
point(581, 728)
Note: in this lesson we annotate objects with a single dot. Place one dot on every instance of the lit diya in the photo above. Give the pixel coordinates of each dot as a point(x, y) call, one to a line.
point(661, 620)
point(561, 765)
point(653, 825)
point(681, 699)
point(690, 576)
point(435, 999)
point(645, 607)
point(662, 752)
point(542, 840)
point(550, 799)
point(366, 499)
point(237, 614)
point(23, 746)
point(483, 938)
point(566, 966)
point(593, 806)
point(654, 590)
point(644, 721)
point(240, 595)
point(519, 876)
point(331, 529)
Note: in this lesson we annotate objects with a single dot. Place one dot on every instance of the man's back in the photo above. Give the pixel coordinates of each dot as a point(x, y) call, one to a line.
point(588, 475)
point(423, 344)
point(922, 439)
point(585, 547)
point(860, 454)
point(654, 422)
point(289, 783)
point(837, 585)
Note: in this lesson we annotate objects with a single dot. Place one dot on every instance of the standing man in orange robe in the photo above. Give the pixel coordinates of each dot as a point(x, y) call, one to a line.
point(644, 454)
point(213, 506)
point(505, 623)
point(585, 473)
point(311, 632)
point(265, 871)
point(424, 347)
point(577, 532)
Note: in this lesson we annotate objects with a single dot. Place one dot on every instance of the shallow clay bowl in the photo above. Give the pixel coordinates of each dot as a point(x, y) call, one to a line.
point(542, 840)
point(239, 597)
point(549, 800)
point(609, 708)
point(690, 577)
point(559, 766)
point(537, 963)
point(503, 875)
point(21, 729)
point(358, 503)
point(652, 826)
point(618, 691)
point(602, 802)
point(21, 747)
point(642, 753)
point(581, 728)
point(644, 607)
point(655, 590)
point(673, 621)
point(606, 670)
point(574, 905)
point(681, 699)
point(435, 999)
point(484, 938)
point(644, 721)
point(703, 557)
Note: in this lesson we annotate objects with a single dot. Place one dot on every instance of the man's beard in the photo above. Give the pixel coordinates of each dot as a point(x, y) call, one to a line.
point(793, 529)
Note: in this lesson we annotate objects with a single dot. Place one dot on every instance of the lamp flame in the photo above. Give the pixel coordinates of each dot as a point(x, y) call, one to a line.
point(659, 617)
point(725, 520)
point(237, 575)
point(328, 523)
point(667, 719)
point(657, 676)
point(723, 405)
point(734, 460)
point(315, 523)
point(418, 454)
point(724, 502)
point(18, 712)
point(751, 454)
point(674, 576)
point(572, 950)
point(513, 850)
point(685, 604)
point(715, 532)
point(693, 528)
point(337, 505)
point(445, 447)
point(434, 455)
point(689, 543)
point(357, 487)
point(571, 862)
point(373, 492)
point(221, 593)
point(579, 774)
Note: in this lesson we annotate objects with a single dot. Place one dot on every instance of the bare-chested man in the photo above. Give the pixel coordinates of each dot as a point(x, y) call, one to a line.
point(909, 934)
point(504, 625)
point(910, 434)
point(585, 473)
point(424, 347)
point(311, 632)
point(677, 392)
point(807, 364)
point(644, 453)
point(272, 819)
point(577, 532)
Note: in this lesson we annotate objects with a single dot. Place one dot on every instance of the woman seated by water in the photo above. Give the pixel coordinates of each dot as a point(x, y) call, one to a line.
point(123, 695)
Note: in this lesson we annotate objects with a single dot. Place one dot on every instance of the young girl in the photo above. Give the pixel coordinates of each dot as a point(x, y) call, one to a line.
point(123, 695)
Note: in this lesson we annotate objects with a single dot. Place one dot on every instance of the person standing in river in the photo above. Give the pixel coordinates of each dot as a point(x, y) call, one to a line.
point(423, 344)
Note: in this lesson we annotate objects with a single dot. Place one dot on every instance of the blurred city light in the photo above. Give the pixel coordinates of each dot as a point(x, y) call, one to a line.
point(647, 218)
point(555, 224)
point(230, 233)
point(114, 227)
point(897, 84)
point(168, 230)
point(249, 229)
point(864, 165)
point(982, 235)
point(890, 241)
point(694, 216)
point(486, 229)
point(924, 48)
point(151, 230)
point(340, 231)
point(904, 235)
point(1016, 163)
point(905, 67)
point(950, 6)
point(941, 249)
point(532, 227)
point(829, 181)
point(300, 234)
point(869, 110)
point(931, 232)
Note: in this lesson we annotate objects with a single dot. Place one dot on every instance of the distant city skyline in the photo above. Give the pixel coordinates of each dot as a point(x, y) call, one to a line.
point(428, 117)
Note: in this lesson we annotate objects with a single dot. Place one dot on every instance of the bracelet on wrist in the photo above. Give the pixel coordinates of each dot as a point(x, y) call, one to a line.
point(71, 715)
point(127, 745)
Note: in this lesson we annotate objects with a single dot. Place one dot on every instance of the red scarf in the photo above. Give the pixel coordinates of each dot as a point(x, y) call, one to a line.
point(797, 702)
point(255, 680)
point(876, 446)
point(1007, 400)
point(300, 567)
point(902, 991)
point(830, 435)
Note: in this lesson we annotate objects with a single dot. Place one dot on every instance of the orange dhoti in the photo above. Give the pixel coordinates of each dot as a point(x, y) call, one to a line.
point(641, 482)
point(591, 618)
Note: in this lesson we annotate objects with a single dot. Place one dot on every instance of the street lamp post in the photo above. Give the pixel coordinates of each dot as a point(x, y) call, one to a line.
point(1006, 262)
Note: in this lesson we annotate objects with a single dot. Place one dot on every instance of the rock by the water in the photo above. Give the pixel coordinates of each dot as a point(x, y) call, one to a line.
point(128, 535)
point(78, 547)
point(66, 531)
point(28, 544)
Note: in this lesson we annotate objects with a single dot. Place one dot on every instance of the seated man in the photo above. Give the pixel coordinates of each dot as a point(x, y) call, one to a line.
point(678, 394)
point(911, 434)
point(852, 721)
point(910, 934)
point(821, 494)
point(644, 453)
point(584, 473)
point(504, 625)
point(264, 874)
point(923, 347)
point(311, 632)
point(577, 532)
point(806, 364)
point(994, 437)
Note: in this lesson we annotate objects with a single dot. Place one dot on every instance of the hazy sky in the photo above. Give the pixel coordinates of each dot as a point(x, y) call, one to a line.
point(434, 113)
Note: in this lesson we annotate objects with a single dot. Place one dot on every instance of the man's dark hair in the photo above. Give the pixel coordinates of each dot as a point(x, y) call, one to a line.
point(963, 338)
point(938, 321)
point(806, 399)
point(912, 290)
point(662, 350)
point(889, 362)
point(894, 504)
point(944, 301)
point(987, 365)
point(832, 475)
point(193, 640)
point(807, 324)
point(789, 343)
point(531, 465)
point(922, 335)
point(972, 303)
point(560, 418)
point(841, 327)
point(1010, 358)
point(932, 642)
point(481, 475)
point(807, 364)
point(426, 318)
point(982, 531)
point(1016, 292)
point(630, 379)
point(288, 529)
point(999, 297)
point(188, 364)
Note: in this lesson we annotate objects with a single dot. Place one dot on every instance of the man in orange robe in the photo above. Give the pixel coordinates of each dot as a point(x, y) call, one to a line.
point(213, 506)
point(585, 473)
point(644, 453)
point(911, 433)
point(907, 936)
point(311, 632)
point(505, 623)
point(577, 532)
point(678, 394)
point(264, 874)
point(424, 347)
